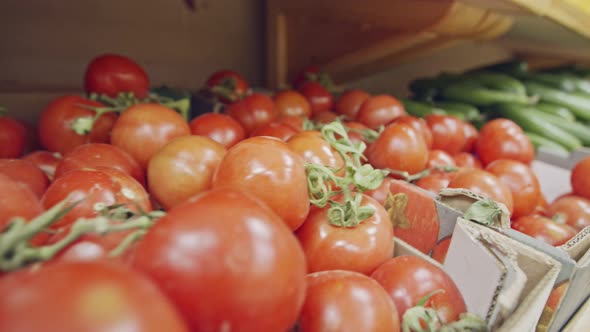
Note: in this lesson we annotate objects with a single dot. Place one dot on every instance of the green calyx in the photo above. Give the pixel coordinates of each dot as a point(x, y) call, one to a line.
point(484, 212)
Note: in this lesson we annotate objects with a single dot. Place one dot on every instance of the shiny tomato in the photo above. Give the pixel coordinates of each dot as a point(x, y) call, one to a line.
point(447, 133)
point(27, 173)
point(574, 210)
point(294, 121)
point(439, 253)
point(503, 139)
point(45, 160)
point(556, 295)
point(254, 111)
point(436, 181)
point(279, 130)
point(311, 146)
point(467, 160)
point(145, 128)
point(361, 248)
point(100, 155)
point(319, 98)
point(233, 85)
point(111, 74)
point(12, 137)
point(580, 178)
point(221, 128)
point(267, 168)
point(17, 200)
point(349, 103)
point(55, 124)
point(379, 111)
point(544, 229)
point(182, 168)
point(325, 117)
point(399, 147)
point(522, 182)
point(420, 125)
point(346, 301)
point(307, 74)
point(439, 158)
point(380, 194)
point(484, 183)
point(471, 134)
point(355, 130)
point(226, 246)
point(408, 279)
point(90, 297)
point(291, 102)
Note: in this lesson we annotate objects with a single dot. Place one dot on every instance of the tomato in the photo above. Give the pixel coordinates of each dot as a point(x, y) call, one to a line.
point(447, 133)
point(556, 296)
point(399, 147)
point(45, 160)
point(111, 74)
point(221, 128)
point(345, 301)
point(145, 128)
point(503, 139)
point(294, 121)
point(100, 155)
point(470, 133)
point(408, 279)
point(355, 130)
point(311, 146)
point(439, 158)
point(361, 248)
point(291, 102)
point(319, 98)
point(484, 183)
point(102, 185)
point(12, 137)
point(439, 253)
point(573, 209)
point(307, 74)
point(55, 124)
point(267, 168)
point(254, 111)
point(17, 200)
point(90, 297)
point(580, 178)
point(325, 117)
point(467, 160)
point(349, 103)
point(212, 256)
point(379, 111)
point(544, 229)
point(25, 172)
point(279, 130)
point(380, 194)
point(420, 125)
point(234, 85)
point(183, 168)
point(522, 182)
point(436, 181)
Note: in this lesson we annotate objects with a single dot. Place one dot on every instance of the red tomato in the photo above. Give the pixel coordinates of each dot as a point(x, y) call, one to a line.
point(253, 112)
point(226, 246)
point(100, 155)
point(307, 74)
point(294, 121)
point(379, 111)
point(438, 158)
point(145, 128)
point(556, 296)
point(439, 253)
point(319, 98)
point(291, 102)
point(503, 139)
point(355, 130)
point(447, 133)
point(420, 125)
point(90, 297)
point(484, 183)
point(399, 147)
point(311, 146)
point(580, 178)
point(267, 168)
point(380, 194)
point(522, 182)
point(111, 74)
point(279, 130)
point(55, 124)
point(325, 117)
point(471, 134)
point(12, 138)
point(544, 229)
point(102, 185)
point(221, 128)
point(45, 160)
point(17, 200)
point(346, 301)
point(183, 168)
point(234, 84)
point(467, 160)
point(26, 173)
point(408, 279)
point(436, 181)
point(349, 103)
point(361, 248)
point(575, 211)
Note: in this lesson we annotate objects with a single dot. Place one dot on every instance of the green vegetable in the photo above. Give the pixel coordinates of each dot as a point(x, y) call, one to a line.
point(481, 96)
point(468, 112)
point(581, 131)
point(556, 110)
point(421, 109)
point(576, 102)
point(543, 143)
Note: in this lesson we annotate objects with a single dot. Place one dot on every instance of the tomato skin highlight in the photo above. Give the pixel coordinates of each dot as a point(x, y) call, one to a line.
point(439, 158)
point(111, 74)
point(575, 209)
point(447, 133)
point(420, 125)
point(503, 139)
point(45, 160)
point(467, 160)
point(213, 254)
point(544, 229)
point(279, 130)
point(319, 98)
point(12, 138)
point(399, 147)
point(253, 112)
point(221, 128)
point(379, 111)
point(291, 102)
point(312, 147)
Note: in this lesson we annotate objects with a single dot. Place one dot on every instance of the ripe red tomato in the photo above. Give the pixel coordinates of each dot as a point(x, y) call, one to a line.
point(254, 111)
point(355, 130)
point(408, 279)
point(437, 158)
point(575, 211)
point(319, 98)
point(379, 111)
point(522, 182)
point(556, 296)
point(467, 160)
point(306, 75)
point(349, 103)
point(484, 183)
point(12, 137)
point(291, 102)
point(439, 253)
point(267, 168)
point(311, 146)
point(183, 168)
point(333, 303)
point(544, 229)
point(420, 125)
point(111, 74)
point(580, 178)
point(17, 200)
point(471, 134)
point(100, 155)
point(294, 121)
point(436, 181)
point(221, 128)
point(399, 147)
point(234, 84)
point(145, 128)
point(26, 173)
point(45, 160)
point(325, 117)
point(90, 297)
point(226, 246)
point(380, 194)
point(279, 130)
point(55, 124)
point(447, 133)
point(503, 139)
point(361, 248)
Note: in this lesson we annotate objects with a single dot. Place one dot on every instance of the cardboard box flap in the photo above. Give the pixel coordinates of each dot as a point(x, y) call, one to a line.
point(577, 246)
point(580, 322)
point(554, 180)
point(565, 161)
point(447, 217)
point(476, 207)
point(402, 248)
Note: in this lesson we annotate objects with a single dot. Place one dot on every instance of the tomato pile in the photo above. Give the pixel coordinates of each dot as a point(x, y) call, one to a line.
point(277, 214)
